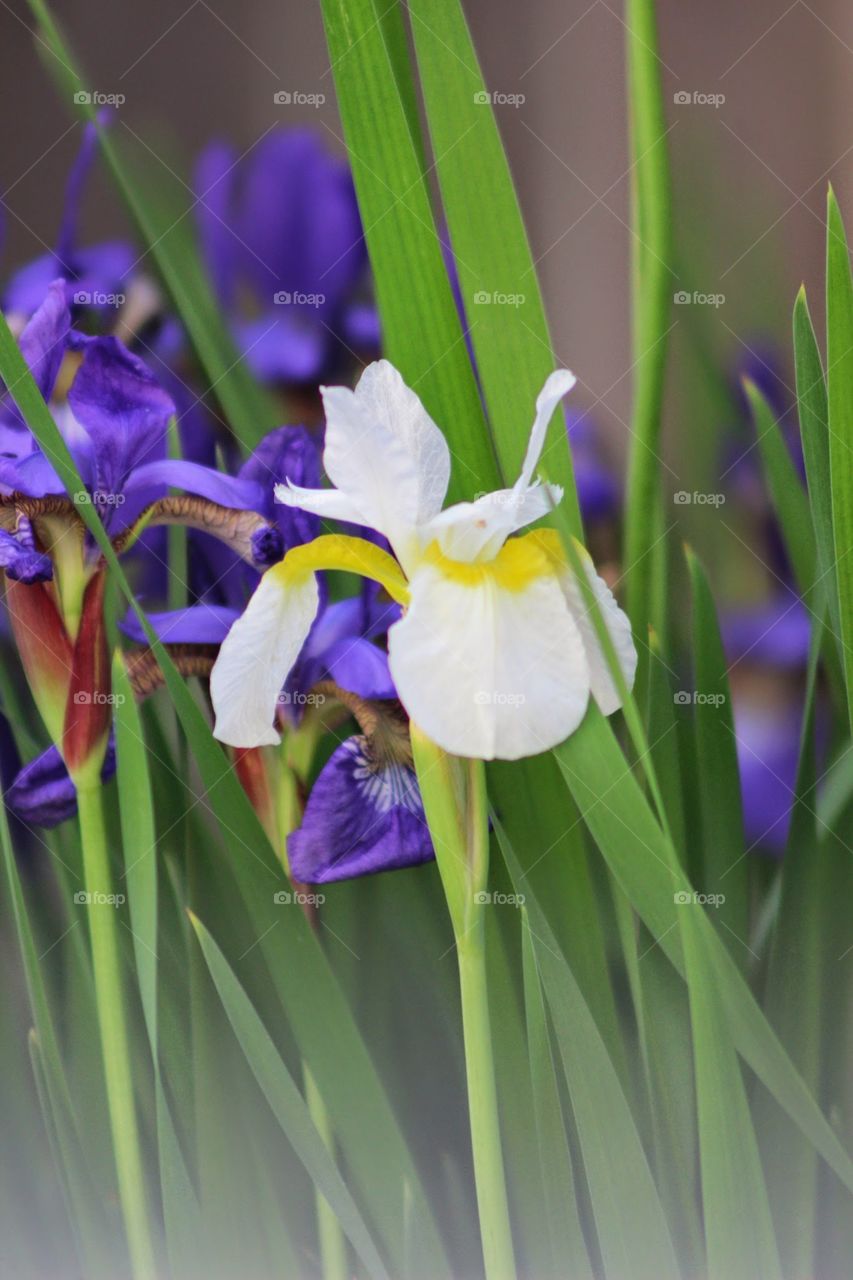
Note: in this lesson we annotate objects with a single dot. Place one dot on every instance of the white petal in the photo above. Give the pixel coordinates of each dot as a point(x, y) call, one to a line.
point(330, 503)
point(257, 656)
point(557, 385)
point(477, 530)
point(383, 394)
point(371, 466)
point(601, 682)
point(488, 672)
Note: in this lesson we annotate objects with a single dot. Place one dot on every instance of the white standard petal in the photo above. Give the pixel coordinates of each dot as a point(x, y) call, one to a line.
point(618, 625)
point(383, 394)
point(477, 530)
point(557, 385)
point(257, 656)
point(489, 672)
point(328, 503)
point(372, 468)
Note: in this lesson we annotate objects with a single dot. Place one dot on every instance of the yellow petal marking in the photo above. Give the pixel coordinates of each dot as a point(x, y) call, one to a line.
point(350, 555)
point(519, 562)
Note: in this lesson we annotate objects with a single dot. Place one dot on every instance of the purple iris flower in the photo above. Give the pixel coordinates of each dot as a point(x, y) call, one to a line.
point(280, 229)
point(114, 417)
point(363, 815)
point(43, 795)
point(599, 490)
point(95, 277)
point(773, 637)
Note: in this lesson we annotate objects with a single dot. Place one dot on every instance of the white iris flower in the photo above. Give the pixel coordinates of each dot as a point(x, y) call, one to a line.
point(495, 655)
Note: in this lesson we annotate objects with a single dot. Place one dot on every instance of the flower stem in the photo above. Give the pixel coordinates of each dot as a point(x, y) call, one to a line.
point(456, 807)
point(115, 1047)
point(333, 1249)
point(483, 1107)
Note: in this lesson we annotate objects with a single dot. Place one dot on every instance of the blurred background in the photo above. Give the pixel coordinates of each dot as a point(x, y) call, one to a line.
point(764, 128)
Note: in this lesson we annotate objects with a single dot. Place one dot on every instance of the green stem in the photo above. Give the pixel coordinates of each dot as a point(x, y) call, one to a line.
point(456, 806)
point(112, 1020)
point(483, 1107)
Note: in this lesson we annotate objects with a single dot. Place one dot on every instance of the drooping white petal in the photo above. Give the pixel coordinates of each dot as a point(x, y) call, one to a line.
point(488, 672)
point(371, 466)
point(477, 530)
point(329, 503)
point(257, 656)
point(557, 385)
point(601, 682)
point(383, 394)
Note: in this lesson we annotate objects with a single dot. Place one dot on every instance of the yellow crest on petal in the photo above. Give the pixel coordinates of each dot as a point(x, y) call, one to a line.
point(350, 555)
point(519, 562)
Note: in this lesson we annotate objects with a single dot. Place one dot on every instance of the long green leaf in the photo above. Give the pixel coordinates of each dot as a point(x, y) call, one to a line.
point(839, 359)
point(286, 1101)
point(632, 1231)
point(421, 328)
point(499, 289)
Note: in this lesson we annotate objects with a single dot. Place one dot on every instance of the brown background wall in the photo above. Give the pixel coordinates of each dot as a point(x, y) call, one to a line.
point(750, 174)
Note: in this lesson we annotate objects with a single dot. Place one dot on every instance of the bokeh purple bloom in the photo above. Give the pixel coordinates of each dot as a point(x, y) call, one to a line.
point(282, 240)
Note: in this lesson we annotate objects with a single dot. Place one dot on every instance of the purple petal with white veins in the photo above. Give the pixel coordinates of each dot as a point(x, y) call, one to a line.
point(359, 819)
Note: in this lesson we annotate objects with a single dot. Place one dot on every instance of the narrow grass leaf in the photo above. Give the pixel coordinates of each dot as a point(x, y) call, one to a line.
point(287, 1102)
point(632, 1230)
point(839, 360)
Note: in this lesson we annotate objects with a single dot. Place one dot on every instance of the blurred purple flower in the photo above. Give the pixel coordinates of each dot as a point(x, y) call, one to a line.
point(281, 228)
point(94, 277)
